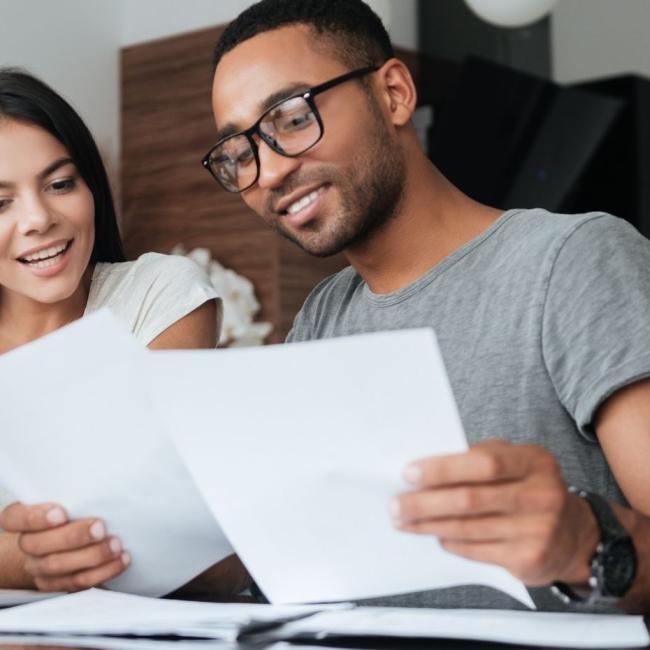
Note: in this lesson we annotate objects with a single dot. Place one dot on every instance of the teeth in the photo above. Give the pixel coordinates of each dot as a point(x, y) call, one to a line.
point(304, 202)
point(45, 253)
point(45, 264)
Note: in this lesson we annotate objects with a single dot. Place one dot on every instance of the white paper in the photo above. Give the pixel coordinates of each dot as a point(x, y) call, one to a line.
point(528, 628)
point(100, 612)
point(298, 449)
point(78, 429)
point(10, 597)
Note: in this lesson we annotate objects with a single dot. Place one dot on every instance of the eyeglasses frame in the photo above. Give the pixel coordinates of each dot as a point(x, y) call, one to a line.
point(308, 95)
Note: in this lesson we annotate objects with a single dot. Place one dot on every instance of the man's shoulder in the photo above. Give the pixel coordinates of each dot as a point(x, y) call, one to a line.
point(540, 224)
point(327, 298)
point(536, 236)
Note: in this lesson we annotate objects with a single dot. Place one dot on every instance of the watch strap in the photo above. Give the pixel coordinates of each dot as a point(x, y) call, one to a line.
point(611, 530)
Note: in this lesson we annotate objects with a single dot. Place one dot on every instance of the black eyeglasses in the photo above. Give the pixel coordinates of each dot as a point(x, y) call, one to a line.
point(290, 127)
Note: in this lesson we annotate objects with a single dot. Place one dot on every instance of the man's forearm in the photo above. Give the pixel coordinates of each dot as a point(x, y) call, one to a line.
point(12, 572)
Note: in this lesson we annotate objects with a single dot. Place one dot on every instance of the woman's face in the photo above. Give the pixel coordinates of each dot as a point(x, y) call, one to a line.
point(47, 216)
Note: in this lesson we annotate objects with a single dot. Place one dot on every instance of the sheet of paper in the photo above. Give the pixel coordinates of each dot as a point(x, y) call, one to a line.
point(10, 597)
point(57, 642)
point(100, 612)
point(298, 449)
point(516, 627)
point(78, 429)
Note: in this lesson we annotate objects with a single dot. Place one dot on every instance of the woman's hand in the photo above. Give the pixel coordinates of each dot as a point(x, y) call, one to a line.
point(63, 555)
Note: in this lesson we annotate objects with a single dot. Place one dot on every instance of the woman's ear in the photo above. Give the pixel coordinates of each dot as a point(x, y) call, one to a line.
point(398, 91)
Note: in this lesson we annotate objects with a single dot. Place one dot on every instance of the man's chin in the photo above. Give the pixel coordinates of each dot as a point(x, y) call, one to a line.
point(316, 245)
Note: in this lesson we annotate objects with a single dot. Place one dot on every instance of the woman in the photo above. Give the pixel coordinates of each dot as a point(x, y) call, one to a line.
point(61, 258)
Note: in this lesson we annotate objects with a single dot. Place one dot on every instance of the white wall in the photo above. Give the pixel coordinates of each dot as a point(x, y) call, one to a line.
point(73, 46)
point(597, 38)
point(145, 20)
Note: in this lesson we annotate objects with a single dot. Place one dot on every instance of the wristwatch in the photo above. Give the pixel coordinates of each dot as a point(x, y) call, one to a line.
point(613, 565)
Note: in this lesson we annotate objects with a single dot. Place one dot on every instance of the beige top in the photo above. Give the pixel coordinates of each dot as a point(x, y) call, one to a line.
point(151, 293)
point(148, 295)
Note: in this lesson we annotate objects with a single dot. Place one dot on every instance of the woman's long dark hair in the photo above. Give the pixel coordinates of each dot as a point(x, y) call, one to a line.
point(28, 100)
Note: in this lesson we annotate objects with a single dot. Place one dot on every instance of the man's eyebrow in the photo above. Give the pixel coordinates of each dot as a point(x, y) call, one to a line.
point(289, 91)
point(50, 169)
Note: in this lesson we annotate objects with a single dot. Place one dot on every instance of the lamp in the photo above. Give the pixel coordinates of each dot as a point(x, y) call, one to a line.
point(510, 13)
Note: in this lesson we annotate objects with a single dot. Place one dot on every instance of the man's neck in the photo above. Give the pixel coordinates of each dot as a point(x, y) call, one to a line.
point(433, 220)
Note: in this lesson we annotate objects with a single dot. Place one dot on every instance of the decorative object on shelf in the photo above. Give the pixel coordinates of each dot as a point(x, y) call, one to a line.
point(511, 13)
point(240, 304)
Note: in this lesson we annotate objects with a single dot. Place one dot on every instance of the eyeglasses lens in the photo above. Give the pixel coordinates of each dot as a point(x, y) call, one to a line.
point(290, 128)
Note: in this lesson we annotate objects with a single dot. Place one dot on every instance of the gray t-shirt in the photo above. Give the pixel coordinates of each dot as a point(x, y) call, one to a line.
point(539, 319)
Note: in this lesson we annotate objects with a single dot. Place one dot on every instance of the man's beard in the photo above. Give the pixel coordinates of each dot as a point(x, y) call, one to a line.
point(368, 200)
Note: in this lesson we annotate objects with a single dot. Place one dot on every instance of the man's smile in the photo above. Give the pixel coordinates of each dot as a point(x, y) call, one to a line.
point(301, 206)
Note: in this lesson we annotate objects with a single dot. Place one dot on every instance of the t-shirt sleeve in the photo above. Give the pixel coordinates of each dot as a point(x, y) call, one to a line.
point(596, 324)
point(171, 287)
point(301, 329)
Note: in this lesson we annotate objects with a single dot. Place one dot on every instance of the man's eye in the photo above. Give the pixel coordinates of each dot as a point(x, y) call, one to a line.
point(295, 122)
point(245, 157)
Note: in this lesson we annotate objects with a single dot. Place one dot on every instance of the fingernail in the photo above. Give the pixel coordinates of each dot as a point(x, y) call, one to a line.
point(115, 545)
point(55, 516)
point(413, 474)
point(394, 508)
point(98, 530)
point(126, 558)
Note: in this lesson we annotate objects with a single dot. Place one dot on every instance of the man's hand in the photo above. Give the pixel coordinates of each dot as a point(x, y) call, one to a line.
point(63, 555)
point(505, 504)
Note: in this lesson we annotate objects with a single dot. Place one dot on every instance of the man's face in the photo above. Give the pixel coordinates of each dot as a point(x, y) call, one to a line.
point(351, 181)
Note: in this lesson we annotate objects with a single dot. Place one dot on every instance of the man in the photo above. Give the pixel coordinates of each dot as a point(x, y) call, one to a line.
point(543, 320)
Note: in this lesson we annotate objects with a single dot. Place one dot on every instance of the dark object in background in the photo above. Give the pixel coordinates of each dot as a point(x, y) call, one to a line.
point(449, 29)
point(511, 139)
point(618, 178)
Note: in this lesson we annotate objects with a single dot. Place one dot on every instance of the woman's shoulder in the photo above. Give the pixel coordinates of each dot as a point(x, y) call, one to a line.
point(151, 292)
point(147, 270)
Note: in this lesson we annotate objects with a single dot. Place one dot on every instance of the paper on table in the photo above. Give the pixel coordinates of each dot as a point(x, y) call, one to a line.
point(10, 597)
point(99, 612)
point(516, 627)
point(298, 450)
point(78, 429)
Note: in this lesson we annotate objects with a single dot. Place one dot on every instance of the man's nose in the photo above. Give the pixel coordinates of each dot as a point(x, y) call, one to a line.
point(35, 216)
point(274, 168)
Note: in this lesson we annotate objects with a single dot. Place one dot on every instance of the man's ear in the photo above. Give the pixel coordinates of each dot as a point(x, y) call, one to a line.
point(398, 91)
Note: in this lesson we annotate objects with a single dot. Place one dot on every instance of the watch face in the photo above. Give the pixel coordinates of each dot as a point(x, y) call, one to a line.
point(618, 567)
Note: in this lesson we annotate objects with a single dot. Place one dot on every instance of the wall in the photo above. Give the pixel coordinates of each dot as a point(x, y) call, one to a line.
point(145, 20)
point(80, 63)
point(597, 38)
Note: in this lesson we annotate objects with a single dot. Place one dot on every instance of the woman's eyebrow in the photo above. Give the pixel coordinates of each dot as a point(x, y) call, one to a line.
point(50, 169)
point(57, 164)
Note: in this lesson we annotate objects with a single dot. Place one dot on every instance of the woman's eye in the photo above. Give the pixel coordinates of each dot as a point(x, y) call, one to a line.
point(62, 186)
point(4, 203)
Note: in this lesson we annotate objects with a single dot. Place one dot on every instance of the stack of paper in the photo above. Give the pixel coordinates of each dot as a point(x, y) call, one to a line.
point(100, 612)
point(514, 627)
point(94, 613)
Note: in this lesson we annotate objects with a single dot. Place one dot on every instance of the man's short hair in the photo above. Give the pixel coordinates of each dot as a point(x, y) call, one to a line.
point(355, 33)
